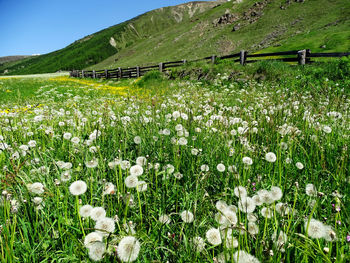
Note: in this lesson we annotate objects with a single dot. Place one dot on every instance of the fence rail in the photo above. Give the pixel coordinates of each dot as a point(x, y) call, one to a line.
point(243, 57)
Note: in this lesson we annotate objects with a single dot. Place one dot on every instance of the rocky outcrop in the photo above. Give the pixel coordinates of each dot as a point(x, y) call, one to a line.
point(226, 19)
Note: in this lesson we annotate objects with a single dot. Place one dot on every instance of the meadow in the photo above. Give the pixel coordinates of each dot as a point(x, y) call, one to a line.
point(181, 170)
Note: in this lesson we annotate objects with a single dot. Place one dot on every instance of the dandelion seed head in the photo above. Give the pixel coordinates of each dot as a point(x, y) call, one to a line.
point(213, 236)
point(128, 249)
point(78, 188)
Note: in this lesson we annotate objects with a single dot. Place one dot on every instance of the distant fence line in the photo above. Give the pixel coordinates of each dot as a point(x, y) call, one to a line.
point(301, 56)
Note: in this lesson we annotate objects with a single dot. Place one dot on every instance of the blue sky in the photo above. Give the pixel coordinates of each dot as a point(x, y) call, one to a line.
point(41, 26)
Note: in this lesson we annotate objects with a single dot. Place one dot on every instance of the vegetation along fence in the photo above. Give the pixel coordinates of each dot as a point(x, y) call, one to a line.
point(302, 57)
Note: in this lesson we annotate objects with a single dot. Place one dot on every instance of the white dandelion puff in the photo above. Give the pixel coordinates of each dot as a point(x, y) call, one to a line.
point(78, 188)
point(128, 249)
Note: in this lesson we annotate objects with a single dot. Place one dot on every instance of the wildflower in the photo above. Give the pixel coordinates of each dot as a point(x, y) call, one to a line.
point(187, 216)
point(265, 196)
point(97, 213)
point(198, 243)
point(164, 219)
point(182, 141)
point(108, 189)
point(178, 175)
point(253, 228)
point(105, 225)
point(240, 191)
point(221, 205)
point(299, 165)
point(36, 188)
point(279, 240)
point(65, 176)
point(32, 144)
point(85, 210)
point(141, 160)
point(310, 190)
point(136, 170)
point(137, 139)
point(91, 238)
point(276, 193)
point(142, 186)
point(271, 157)
point(230, 216)
point(266, 212)
point(204, 168)
point(257, 200)
point(67, 135)
point(213, 236)
point(96, 250)
point(128, 249)
point(220, 167)
point(242, 257)
point(315, 228)
point(246, 205)
point(327, 129)
point(131, 181)
point(92, 163)
point(247, 160)
point(78, 188)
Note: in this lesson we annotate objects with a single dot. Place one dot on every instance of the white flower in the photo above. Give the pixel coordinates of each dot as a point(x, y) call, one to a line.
point(198, 243)
point(141, 160)
point(240, 191)
point(131, 181)
point(265, 196)
point(109, 189)
point(92, 163)
point(315, 228)
point(142, 186)
point(247, 160)
point(271, 157)
point(243, 257)
point(67, 135)
point(253, 228)
point(105, 225)
point(78, 188)
point(36, 188)
point(91, 238)
point(75, 140)
point(266, 212)
point(128, 249)
point(187, 216)
point(220, 167)
point(299, 165)
point(32, 144)
point(327, 129)
point(310, 190)
point(136, 170)
point(164, 219)
point(137, 139)
point(221, 205)
point(85, 210)
point(204, 168)
point(97, 213)
point(96, 250)
point(182, 141)
point(213, 236)
point(276, 193)
point(246, 205)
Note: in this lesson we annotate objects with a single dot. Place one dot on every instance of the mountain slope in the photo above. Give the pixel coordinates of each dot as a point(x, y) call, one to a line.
point(101, 45)
point(199, 29)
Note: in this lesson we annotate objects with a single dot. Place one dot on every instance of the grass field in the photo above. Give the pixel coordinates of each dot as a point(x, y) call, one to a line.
point(158, 170)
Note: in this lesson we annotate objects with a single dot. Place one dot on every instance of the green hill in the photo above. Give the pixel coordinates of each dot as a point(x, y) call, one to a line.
point(199, 29)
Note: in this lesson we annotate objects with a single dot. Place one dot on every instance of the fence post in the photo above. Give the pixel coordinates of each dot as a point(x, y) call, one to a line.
point(184, 61)
point(82, 73)
point(94, 74)
point(302, 57)
point(138, 71)
point(161, 66)
point(106, 73)
point(120, 72)
point(213, 59)
point(242, 57)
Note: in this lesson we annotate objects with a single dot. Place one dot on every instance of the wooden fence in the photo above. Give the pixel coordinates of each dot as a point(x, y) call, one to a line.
point(243, 57)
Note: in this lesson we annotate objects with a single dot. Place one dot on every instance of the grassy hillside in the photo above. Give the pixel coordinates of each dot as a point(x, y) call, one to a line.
point(199, 29)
